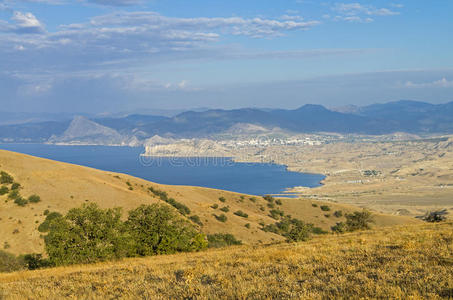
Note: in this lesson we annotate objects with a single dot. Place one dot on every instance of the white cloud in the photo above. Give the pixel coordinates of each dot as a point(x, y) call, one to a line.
point(357, 12)
point(23, 23)
point(442, 83)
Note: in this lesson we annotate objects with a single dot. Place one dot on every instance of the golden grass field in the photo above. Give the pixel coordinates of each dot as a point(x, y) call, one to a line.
point(399, 262)
point(63, 186)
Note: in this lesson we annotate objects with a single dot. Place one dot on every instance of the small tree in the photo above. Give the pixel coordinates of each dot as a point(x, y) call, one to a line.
point(87, 235)
point(359, 220)
point(156, 229)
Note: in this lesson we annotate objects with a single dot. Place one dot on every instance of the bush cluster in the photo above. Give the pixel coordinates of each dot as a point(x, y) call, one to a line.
point(222, 240)
point(242, 214)
point(355, 221)
point(5, 178)
point(325, 208)
point(90, 234)
point(183, 209)
point(276, 214)
point(293, 229)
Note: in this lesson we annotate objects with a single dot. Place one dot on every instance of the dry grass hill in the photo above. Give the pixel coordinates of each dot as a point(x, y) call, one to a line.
point(62, 186)
point(401, 262)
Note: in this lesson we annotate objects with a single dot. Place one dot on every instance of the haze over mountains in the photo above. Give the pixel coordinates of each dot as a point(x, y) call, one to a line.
point(401, 116)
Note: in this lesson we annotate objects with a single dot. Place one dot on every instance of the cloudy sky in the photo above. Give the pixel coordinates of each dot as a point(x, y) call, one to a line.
point(130, 55)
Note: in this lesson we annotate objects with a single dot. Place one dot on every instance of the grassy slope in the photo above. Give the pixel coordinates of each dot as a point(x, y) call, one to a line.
point(63, 186)
point(411, 261)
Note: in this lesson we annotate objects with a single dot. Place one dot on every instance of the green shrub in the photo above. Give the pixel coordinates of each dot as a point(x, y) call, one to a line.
point(44, 226)
point(5, 178)
point(21, 201)
point(3, 190)
point(34, 199)
point(317, 230)
point(276, 214)
point(15, 186)
point(325, 208)
point(242, 214)
point(86, 235)
point(215, 206)
point(221, 218)
point(293, 229)
point(271, 205)
point(156, 229)
point(268, 198)
point(46, 212)
point(196, 220)
point(359, 220)
point(35, 261)
point(278, 202)
point(247, 225)
point(222, 199)
point(314, 205)
point(14, 194)
point(183, 209)
point(327, 215)
point(253, 199)
point(299, 231)
point(225, 209)
point(10, 263)
point(338, 213)
point(222, 240)
point(340, 228)
point(161, 194)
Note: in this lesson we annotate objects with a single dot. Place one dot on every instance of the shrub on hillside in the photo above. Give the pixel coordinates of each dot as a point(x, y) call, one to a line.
point(196, 220)
point(222, 240)
point(215, 206)
point(13, 194)
point(225, 209)
point(10, 263)
point(242, 214)
point(21, 201)
point(156, 229)
point(221, 218)
point(293, 229)
point(87, 234)
point(338, 214)
point(278, 202)
point(222, 199)
point(355, 221)
point(4, 190)
point(276, 214)
point(268, 198)
point(359, 220)
point(34, 199)
point(183, 209)
point(5, 178)
point(435, 216)
point(15, 186)
point(44, 226)
point(325, 208)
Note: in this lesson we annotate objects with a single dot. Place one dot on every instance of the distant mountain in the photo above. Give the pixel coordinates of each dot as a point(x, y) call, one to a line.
point(411, 117)
point(84, 131)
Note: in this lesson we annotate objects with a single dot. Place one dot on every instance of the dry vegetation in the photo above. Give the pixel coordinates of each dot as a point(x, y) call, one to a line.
point(413, 261)
point(64, 186)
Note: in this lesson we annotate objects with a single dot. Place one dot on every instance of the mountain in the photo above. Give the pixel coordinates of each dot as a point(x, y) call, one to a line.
point(84, 131)
point(412, 116)
point(394, 117)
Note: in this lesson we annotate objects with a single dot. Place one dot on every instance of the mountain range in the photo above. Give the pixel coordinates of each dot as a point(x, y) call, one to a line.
point(400, 116)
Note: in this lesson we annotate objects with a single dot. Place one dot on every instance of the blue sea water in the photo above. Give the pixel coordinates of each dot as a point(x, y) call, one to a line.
point(219, 173)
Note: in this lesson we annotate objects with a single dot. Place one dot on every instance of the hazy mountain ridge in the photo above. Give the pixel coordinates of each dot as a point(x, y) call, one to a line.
point(411, 117)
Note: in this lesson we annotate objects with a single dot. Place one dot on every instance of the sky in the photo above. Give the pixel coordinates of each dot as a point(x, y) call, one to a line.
point(110, 56)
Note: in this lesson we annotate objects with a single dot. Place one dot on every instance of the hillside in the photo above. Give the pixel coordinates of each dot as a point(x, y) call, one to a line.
point(62, 186)
point(389, 263)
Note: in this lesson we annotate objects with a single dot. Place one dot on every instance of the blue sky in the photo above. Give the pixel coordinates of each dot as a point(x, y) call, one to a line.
point(128, 55)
